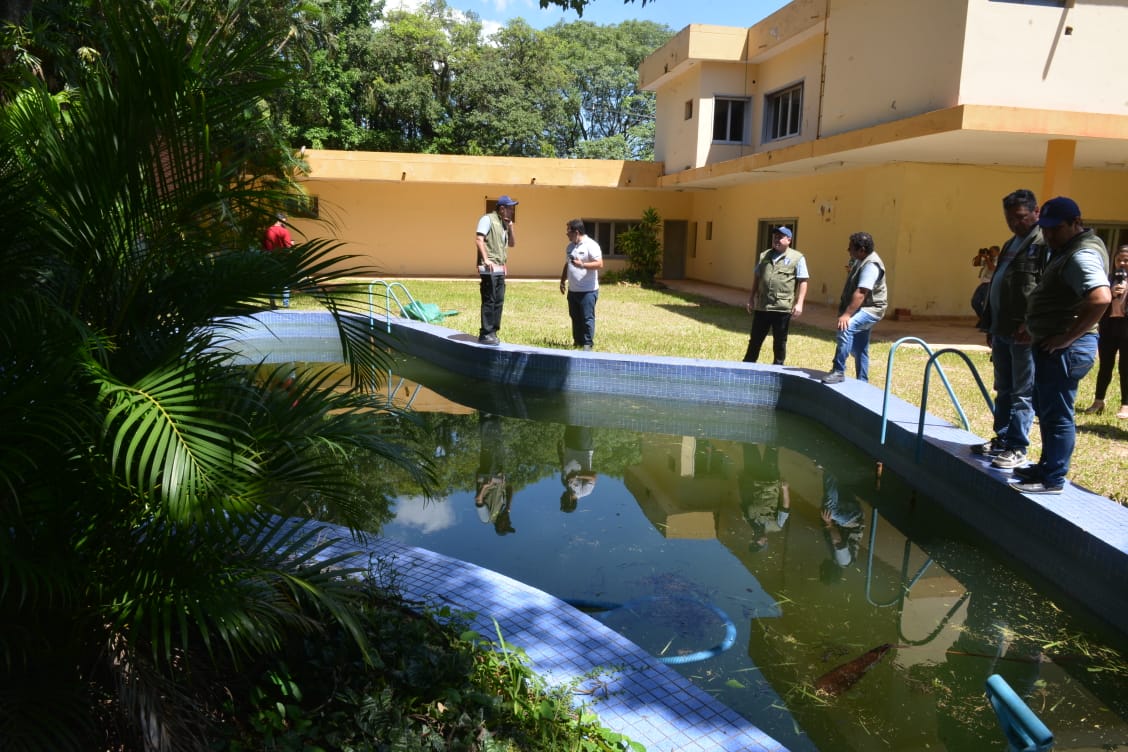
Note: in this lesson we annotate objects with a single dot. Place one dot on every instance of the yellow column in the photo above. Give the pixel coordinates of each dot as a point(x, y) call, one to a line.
point(1057, 178)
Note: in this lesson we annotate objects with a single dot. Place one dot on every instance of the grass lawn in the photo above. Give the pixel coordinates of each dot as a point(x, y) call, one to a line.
point(640, 321)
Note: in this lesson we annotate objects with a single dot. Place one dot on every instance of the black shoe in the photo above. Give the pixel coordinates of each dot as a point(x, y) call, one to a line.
point(1028, 473)
point(992, 448)
point(489, 339)
point(834, 377)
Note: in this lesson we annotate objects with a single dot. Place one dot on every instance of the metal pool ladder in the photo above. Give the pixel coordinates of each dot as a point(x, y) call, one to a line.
point(924, 389)
point(390, 296)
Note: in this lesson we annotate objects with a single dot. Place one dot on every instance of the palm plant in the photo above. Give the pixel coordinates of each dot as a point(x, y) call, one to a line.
point(144, 476)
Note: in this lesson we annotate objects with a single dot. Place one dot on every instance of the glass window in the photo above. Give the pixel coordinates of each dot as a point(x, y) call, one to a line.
point(728, 120)
point(765, 227)
point(1113, 235)
point(783, 113)
point(605, 232)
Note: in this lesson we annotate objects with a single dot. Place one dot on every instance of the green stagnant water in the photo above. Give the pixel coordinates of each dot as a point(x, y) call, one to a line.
point(816, 557)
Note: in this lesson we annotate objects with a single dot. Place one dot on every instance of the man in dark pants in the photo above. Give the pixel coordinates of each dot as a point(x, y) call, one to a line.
point(494, 238)
point(1061, 319)
point(778, 291)
point(1018, 267)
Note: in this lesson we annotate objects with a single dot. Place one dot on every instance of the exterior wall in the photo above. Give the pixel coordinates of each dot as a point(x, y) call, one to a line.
point(1057, 66)
point(676, 143)
point(927, 222)
point(734, 80)
point(427, 229)
point(801, 63)
point(889, 59)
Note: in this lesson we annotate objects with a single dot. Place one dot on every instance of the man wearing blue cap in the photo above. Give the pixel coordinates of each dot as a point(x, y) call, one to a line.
point(1061, 318)
point(778, 291)
point(494, 238)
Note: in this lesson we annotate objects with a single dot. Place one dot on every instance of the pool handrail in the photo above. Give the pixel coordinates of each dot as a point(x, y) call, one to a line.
point(924, 392)
point(1024, 731)
point(889, 383)
point(389, 297)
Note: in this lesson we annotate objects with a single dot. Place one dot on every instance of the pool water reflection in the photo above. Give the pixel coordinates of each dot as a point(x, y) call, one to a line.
point(817, 558)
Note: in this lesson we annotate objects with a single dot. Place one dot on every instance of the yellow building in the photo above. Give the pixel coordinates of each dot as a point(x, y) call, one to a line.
point(909, 119)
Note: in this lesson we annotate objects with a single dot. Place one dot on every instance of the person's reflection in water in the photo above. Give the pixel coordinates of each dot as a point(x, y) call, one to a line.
point(494, 494)
point(765, 499)
point(576, 473)
point(842, 529)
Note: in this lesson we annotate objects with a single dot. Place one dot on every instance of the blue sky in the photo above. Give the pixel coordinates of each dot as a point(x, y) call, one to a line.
point(677, 14)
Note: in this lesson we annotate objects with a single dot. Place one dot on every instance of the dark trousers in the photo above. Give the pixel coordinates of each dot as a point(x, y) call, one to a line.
point(1113, 340)
point(762, 322)
point(581, 308)
point(493, 298)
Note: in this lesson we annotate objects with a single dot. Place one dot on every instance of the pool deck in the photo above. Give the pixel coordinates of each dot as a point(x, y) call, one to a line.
point(1078, 541)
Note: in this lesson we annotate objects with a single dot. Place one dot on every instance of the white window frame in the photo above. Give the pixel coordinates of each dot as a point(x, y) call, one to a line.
point(783, 113)
point(723, 107)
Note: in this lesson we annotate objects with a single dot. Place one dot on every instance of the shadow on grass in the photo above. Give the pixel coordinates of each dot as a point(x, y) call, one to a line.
point(727, 317)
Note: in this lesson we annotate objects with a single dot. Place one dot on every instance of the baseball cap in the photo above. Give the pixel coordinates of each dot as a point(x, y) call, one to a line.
point(783, 231)
point(506, 201)
point(1057, 211)
point(280, 216)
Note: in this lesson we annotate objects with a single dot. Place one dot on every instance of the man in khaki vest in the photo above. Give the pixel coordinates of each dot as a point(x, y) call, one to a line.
point(493, 239)
point(863, 303)
point(778, 291)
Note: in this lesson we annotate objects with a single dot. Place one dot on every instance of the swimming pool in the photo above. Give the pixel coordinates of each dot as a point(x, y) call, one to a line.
point(661, 523)
point(729, 428)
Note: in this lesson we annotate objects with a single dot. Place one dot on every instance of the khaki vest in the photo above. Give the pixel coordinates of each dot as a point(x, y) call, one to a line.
point(776, 291)
point(877, 299)
point(497, 241)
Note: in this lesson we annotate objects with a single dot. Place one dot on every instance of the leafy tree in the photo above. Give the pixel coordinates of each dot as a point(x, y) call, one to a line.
point(602, 64)
point(142, 471)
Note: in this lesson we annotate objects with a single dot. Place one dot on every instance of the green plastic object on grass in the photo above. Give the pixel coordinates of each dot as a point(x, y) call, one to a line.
point(428, 312)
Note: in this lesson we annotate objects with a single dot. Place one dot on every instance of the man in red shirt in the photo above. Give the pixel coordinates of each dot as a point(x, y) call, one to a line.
point(276, 238)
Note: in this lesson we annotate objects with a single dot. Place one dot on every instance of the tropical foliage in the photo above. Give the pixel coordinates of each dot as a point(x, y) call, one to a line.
point(143, 472)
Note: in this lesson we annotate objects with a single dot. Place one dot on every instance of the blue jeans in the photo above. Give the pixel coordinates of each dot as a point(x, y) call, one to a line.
point(581, 308)
point(854, 340)
point(1014, 391)
point(1056, 377)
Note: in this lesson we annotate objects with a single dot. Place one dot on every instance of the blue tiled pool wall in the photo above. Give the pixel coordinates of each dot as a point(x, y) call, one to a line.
point(1078, 541)
point(630, 691)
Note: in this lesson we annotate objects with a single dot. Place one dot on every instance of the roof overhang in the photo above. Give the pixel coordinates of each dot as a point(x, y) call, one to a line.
point(964, 135)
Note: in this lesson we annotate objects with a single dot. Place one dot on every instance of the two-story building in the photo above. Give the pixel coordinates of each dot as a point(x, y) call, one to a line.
point(909, 119)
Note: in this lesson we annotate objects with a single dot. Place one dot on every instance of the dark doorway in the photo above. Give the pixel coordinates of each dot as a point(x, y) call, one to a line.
point(674, 235)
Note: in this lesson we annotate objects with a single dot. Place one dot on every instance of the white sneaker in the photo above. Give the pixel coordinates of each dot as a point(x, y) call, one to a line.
point(1010, 458)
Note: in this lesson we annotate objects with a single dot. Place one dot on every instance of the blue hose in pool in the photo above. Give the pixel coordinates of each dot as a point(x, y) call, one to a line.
point(700, 655)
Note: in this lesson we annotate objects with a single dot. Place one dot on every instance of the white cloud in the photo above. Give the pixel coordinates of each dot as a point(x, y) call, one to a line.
point(428, 515)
